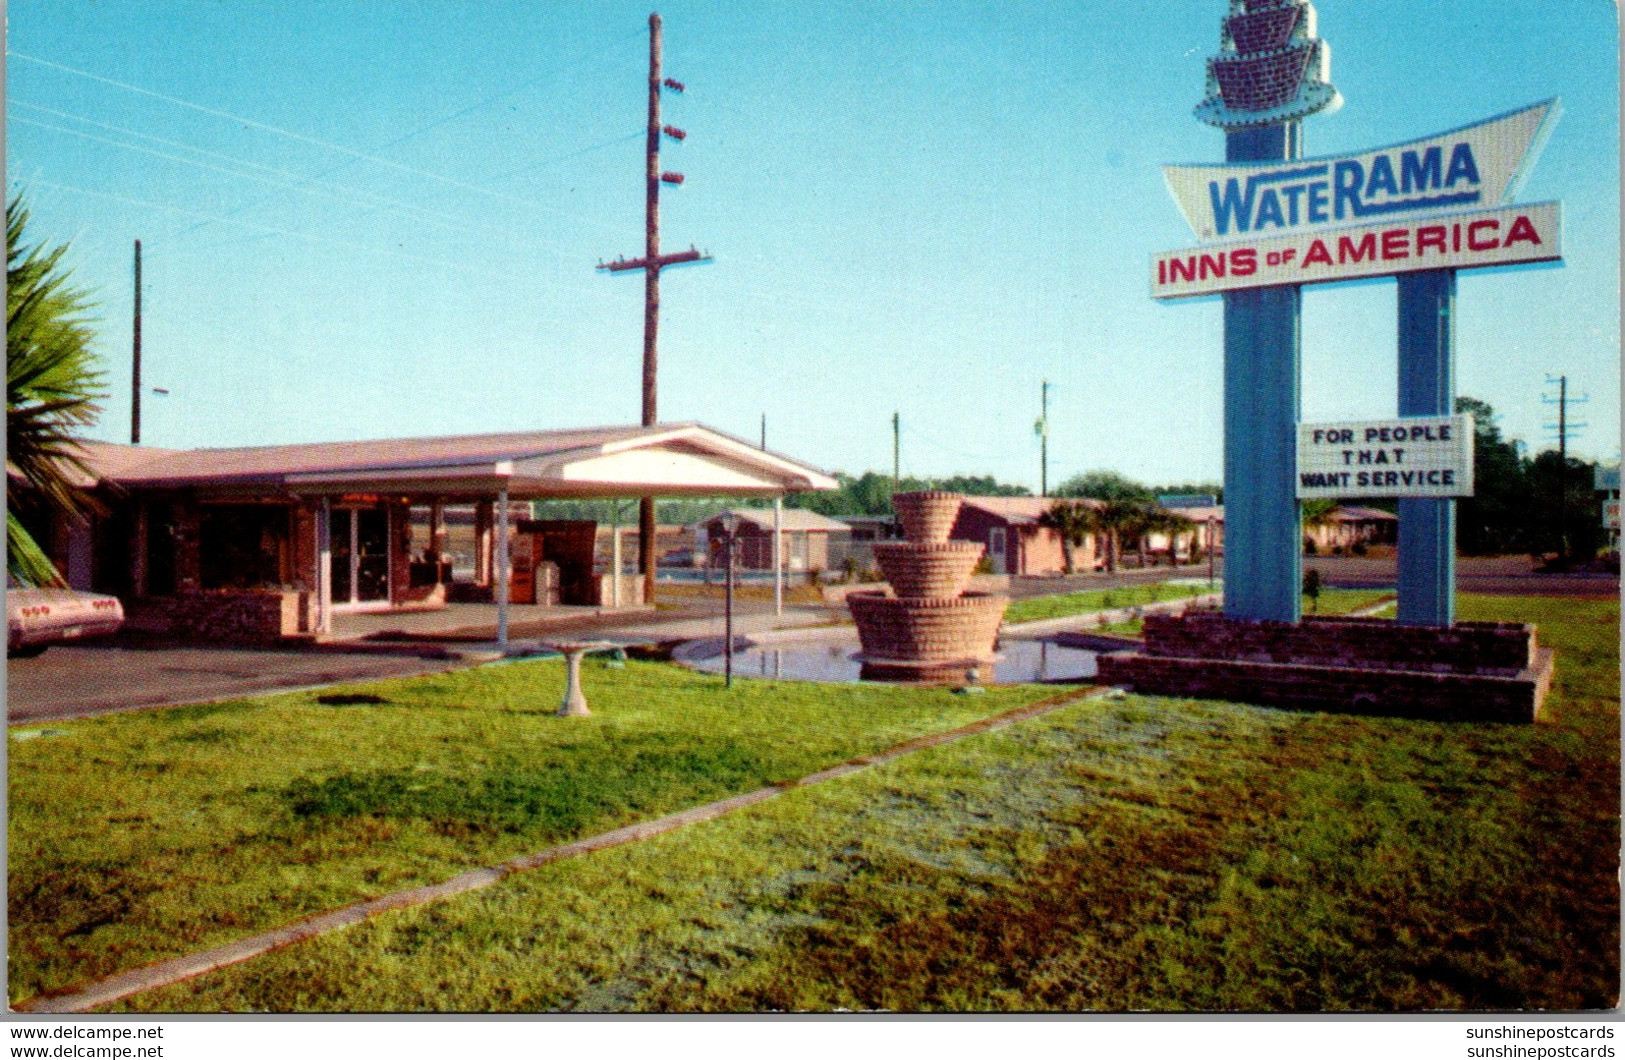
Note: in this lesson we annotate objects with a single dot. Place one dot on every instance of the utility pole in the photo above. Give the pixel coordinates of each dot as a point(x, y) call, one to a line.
point(135, 344)
point(1041, 428)
point(1563, 428)
point(651, 263)
point(764, 430)
point(896, 452)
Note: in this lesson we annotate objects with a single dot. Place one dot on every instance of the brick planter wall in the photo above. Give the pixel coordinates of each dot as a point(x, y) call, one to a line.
point(1363, 643)
point(934, 571)
point(234, 616)
point(928, 515)
point(1473, 671)
point(914, 630)
point(1389, 693)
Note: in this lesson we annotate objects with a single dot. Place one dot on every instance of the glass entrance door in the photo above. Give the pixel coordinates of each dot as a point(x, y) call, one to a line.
point(360, 544)
point(371, 555)
point(342, 538)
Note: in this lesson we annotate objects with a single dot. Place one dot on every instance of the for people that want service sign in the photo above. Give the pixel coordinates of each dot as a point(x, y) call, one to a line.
point(1407, 456)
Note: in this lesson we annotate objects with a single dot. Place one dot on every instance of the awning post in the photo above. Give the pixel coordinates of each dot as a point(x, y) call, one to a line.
point(615, 554)
point(500, 547)
point(324, 567)
point(778, 559)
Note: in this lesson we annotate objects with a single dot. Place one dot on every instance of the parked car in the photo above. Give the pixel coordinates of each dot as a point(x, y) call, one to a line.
point(39, 618)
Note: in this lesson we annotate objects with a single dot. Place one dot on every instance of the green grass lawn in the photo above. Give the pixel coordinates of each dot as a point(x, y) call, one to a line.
point(1062, 605)
point(140, 836)
point(1132, 854)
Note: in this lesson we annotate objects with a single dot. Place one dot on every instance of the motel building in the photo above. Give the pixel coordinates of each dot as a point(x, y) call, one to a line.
point(265, 543)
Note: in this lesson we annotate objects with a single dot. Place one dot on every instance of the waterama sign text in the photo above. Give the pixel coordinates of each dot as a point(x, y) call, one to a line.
point(1478, 166)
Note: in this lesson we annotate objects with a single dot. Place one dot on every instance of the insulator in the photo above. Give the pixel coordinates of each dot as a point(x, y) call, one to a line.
point(672, 178)
point(675, 86)
point(674, 132)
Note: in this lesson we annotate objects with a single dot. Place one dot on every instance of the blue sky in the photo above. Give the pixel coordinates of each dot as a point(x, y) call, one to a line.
point(378, 220)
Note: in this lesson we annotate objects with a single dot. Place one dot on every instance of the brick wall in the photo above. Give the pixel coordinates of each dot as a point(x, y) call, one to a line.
point(1369, 643)
point(302, 548)
point(235, 616)
point(1473, 671)
point(1393, 693)
point(962, 627)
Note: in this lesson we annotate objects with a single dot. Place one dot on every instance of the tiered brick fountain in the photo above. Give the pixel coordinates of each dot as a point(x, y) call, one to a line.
point(932, 629)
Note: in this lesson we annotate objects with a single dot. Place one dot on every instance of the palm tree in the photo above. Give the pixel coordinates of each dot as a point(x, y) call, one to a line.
point(1074, 521)
point(52, 389)
point(1120, 519)
point(1163, 521)
point(1318, 513)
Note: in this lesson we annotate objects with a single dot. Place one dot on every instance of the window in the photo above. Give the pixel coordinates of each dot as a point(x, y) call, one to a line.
point(243, 546)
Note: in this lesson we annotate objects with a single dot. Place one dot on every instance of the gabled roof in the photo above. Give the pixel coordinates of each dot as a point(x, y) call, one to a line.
point(796, 519)
point(1021, 511)
point(1202, 514)
point(1359, 513)
point(683, 459)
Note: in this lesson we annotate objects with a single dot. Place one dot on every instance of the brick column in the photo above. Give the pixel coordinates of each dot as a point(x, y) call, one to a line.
point(400, 551)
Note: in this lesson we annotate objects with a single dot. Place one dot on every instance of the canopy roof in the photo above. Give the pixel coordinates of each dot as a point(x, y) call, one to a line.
point(666, 460)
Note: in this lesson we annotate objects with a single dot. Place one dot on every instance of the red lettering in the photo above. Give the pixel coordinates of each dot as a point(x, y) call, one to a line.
point(1211, 265)
point(1431, 236)
point(1243, 262)
point(1182, 269)
point(1162, 272)
point(1348, 250)
point(1317, 252)
point(1395, 244)
point(1523, 231)
point(1472, 235)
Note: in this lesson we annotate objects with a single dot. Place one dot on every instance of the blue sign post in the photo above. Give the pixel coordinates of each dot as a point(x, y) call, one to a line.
point(1273, 75)
point(1427, 387)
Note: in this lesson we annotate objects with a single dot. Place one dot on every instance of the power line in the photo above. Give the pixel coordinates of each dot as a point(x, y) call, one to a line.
point(270, 230)
point(289, 133)
point(500, 96)
point(292, 181)
point(414, 133)
point(529, 167)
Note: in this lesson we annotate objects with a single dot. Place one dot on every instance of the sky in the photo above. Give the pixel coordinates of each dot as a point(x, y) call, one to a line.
point(372, 220)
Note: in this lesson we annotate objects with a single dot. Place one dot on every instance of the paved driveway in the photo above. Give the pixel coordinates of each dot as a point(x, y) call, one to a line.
point(79, 680)
point(71, 682)
point(1497, 575)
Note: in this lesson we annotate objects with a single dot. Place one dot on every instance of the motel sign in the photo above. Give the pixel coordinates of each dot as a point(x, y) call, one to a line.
point(1413, 456)
point(1436, 203)
point(1269, 223)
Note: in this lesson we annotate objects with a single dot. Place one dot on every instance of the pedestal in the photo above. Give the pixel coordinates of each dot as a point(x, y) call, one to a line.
point(575, 703)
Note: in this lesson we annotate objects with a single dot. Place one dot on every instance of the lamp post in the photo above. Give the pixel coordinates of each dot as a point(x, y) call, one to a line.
point(730, 528)
point(1210, 544)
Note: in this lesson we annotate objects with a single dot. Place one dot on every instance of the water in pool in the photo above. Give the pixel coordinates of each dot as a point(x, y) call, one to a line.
point(837, 661)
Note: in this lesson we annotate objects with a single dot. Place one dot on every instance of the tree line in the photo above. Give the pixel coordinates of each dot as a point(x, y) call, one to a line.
point(1539, 506)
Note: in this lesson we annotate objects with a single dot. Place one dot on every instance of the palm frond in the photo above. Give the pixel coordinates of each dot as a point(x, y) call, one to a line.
point(53, 390)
